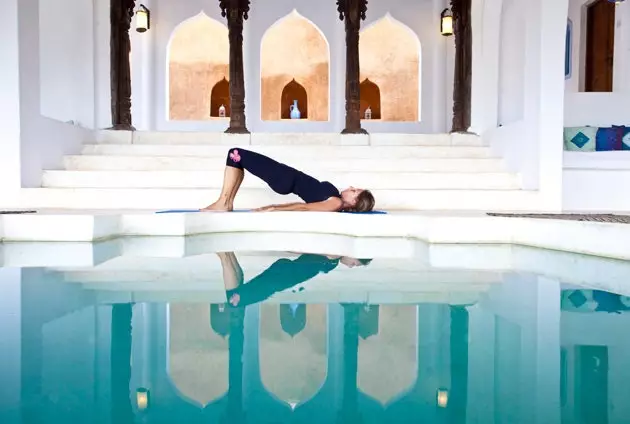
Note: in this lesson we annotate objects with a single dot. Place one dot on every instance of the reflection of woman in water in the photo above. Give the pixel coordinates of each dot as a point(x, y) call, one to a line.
point(281, 275)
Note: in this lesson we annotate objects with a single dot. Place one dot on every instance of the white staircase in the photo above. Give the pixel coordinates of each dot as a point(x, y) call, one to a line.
point(146, 170)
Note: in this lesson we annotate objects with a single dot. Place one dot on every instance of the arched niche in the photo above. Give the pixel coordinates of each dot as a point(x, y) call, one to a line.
point(368, 321)
point(293, 368)
point(198, 55)
point(220, 319)
point(294, 48)
point(290, 93)
point(395, 344)
point(293, 318)
point(390, 56)
point(220, 96)
point(370, 97)
point(198, 356)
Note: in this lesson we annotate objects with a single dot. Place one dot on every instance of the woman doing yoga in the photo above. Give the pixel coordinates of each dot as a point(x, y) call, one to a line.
point(317, 195)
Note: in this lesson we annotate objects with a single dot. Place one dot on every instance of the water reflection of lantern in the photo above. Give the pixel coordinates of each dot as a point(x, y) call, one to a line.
point(142, 398)
point(442, 398)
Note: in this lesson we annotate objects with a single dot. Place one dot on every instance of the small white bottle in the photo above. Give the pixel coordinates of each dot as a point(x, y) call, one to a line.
point(368, 113)
point(222, 111)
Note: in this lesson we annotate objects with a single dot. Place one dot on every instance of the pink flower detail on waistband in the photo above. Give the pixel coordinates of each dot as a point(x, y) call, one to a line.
point(235, 156)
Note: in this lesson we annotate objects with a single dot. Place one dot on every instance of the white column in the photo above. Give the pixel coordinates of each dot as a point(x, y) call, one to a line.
point(486, 22)
point(10, 330)
point(143, 74)
point(10, 180)
point(544, 94)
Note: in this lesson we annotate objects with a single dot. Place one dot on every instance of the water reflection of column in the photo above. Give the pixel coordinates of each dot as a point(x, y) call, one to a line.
point(349, 409)
point(11, 348)
point(32, 365)
point(459, 364)
point(547, 390)
point(481, 365)
point(235, 413)
point(121, 410)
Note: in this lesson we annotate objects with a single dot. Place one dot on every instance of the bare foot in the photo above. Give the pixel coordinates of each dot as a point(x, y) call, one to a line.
point(218, 206)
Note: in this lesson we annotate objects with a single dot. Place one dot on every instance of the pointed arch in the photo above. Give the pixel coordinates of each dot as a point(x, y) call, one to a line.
point(395, 343)
point(294, 48)
point(220, 96)
point(198, 55)
point(370, 97)
point(293, 364)
point(198, 357)
point(390, 55)
point(294, 93)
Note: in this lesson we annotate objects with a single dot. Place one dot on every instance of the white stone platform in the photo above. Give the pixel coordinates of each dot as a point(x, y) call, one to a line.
point(158, 170)
point(601, 239)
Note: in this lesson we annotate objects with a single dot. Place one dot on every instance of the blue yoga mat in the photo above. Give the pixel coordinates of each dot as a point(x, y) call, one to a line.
point(249, 210)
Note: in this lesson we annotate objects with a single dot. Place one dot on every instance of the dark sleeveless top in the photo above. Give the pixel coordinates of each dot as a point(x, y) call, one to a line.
point(312, 190)
point(281, 275)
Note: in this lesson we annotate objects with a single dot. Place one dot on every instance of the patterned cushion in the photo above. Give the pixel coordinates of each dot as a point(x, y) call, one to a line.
point(580, 138)
point(625, 141)
point(608, 139)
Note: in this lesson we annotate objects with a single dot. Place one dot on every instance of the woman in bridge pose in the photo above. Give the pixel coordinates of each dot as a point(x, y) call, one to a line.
point(317, 195)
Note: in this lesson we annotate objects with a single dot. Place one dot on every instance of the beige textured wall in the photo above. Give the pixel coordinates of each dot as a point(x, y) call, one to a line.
point(294, 48)
point(293, 368)
point(395, 345)
point(390, 58)
point(198, 357)
point(198, 59)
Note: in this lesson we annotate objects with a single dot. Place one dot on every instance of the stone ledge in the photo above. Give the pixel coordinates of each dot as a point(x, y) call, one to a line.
point(591, 238)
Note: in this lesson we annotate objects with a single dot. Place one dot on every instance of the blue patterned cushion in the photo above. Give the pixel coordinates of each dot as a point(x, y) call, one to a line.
point(609, 139)
point(580, 139)
point(625, 140)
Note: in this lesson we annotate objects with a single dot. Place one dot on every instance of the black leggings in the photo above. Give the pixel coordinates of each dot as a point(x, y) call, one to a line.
point(280, 177)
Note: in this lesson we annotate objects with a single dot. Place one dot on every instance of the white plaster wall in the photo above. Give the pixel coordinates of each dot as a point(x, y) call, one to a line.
point(66, 61)
point(9, 102)
point(512, 63)
point(150, 63)
point(102, 84)
point(43, 140)
point(531, 145)
point(598, 109)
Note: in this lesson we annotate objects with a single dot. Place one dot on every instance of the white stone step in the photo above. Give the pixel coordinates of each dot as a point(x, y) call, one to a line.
point(214, 179)
point(286, 139)
point(312, 166)
point(281, 152)
point(150, 199)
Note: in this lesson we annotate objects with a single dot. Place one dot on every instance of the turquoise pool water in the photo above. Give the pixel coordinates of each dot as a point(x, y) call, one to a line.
point(269, 337)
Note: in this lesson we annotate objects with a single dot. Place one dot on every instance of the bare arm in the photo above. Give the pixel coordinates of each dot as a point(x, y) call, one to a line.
point(333, 204)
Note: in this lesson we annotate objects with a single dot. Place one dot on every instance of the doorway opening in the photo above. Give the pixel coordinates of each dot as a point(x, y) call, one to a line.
point(600, 46)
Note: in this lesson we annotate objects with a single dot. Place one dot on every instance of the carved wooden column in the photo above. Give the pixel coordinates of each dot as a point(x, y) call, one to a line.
point(236, 12)
point(121, 13)
point(462, 90)
point(352, 12)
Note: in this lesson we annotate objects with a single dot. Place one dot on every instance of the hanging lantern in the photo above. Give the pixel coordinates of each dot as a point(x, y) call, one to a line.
point(143, 19)
point(446, 25)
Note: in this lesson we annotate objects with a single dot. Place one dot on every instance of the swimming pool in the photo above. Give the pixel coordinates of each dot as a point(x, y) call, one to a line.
point(141, 330)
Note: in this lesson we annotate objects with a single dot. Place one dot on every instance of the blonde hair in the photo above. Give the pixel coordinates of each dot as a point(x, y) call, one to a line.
point(365, 202)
